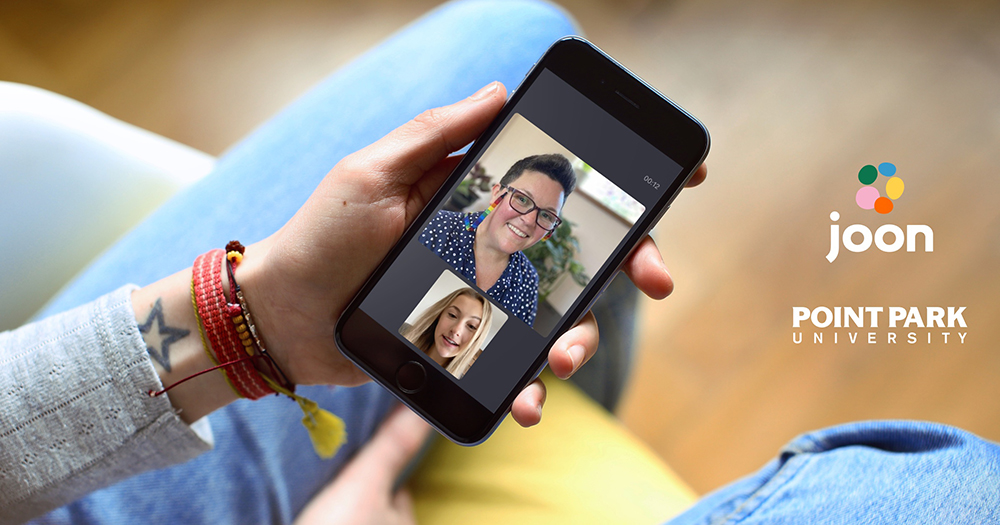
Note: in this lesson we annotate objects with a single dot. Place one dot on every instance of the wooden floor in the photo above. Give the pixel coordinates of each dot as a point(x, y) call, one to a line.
point(798, 96)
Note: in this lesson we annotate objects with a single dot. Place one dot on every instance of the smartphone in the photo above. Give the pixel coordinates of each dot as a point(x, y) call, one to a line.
point(521, 239)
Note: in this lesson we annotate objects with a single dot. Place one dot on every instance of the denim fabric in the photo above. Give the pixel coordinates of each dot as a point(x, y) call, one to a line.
point(260, 182)
point(263, 469)
point(868, 472)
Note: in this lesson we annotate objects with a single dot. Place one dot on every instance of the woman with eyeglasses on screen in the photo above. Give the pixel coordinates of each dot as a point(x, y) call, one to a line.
point(453, 330)
point(487, 247)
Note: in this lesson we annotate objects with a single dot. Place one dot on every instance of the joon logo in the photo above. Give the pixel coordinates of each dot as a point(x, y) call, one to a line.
point(869, 198)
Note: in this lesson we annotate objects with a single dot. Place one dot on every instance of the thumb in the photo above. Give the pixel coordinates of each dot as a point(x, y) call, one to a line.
point(403, 503)
point(362, 492)
point(412, 149)
point(393, 446)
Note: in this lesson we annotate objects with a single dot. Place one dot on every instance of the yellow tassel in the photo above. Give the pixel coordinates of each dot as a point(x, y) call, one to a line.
point(327, 431)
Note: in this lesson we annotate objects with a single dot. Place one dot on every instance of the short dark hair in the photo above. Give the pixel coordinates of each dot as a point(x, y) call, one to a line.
point(553, 165)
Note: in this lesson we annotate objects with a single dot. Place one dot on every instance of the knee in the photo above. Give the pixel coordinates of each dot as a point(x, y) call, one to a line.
point(897, 470)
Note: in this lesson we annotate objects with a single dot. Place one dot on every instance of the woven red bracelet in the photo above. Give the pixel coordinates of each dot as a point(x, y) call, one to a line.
point(229, 328)
point(221, 331)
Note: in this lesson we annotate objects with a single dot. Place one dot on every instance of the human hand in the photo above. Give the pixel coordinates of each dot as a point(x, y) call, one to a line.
point(300, 280)
point(363, 491)
point(648, 273)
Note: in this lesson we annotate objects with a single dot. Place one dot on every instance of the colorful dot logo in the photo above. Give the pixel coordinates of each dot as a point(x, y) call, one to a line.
point(869, 198)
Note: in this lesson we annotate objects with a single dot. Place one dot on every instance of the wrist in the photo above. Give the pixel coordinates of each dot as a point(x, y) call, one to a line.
point(295, 311)
point(201, 307)
point(253, 280)
point(171, 332)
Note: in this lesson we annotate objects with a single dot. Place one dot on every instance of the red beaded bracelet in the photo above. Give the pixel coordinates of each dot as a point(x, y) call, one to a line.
point(240, 314)
point(228, 328)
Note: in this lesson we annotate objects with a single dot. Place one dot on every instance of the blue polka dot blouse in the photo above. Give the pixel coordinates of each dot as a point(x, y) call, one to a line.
point(516, 289)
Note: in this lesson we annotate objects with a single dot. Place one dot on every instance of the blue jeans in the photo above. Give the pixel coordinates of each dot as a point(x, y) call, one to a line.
point(869, 472)
point(262, 468)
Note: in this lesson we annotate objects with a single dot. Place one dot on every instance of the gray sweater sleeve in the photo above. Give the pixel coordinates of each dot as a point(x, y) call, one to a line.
point(74, 413)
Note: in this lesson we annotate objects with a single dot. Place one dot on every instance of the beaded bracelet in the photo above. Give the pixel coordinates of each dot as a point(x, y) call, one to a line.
point(241, 317)
point(212, 309)
point(327, 431)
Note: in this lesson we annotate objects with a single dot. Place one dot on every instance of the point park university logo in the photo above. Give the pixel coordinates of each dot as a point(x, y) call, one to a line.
point(870, 198)
point(862, 323)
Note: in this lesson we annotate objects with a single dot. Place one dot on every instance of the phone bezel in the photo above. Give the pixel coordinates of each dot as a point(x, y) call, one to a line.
point(628, 99)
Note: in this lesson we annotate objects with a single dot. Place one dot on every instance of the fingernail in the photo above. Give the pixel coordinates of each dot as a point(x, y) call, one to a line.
point(576, 354)
point(486, 91)
point(539, 410)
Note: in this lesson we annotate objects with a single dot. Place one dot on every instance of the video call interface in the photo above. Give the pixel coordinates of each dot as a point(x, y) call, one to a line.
point(478, 292)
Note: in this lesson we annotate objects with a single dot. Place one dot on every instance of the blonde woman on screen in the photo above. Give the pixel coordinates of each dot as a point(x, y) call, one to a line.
point(452, 330)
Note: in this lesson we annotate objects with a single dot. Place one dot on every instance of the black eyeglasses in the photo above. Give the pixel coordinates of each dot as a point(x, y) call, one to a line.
point(523, 204)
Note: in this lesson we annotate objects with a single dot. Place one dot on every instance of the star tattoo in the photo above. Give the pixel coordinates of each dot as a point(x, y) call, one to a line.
point(165, 335)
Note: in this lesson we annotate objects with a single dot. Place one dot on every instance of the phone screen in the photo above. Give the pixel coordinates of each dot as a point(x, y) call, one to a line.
point(513, 247)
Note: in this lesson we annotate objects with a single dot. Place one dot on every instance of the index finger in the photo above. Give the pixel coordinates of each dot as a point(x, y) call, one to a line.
point(699, 176)
point(646, 270)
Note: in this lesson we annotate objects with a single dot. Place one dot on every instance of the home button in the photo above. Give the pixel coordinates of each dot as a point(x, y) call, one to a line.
point(411, 377)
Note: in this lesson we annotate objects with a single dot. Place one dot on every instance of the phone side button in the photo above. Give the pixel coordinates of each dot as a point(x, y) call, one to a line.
point(411, 377)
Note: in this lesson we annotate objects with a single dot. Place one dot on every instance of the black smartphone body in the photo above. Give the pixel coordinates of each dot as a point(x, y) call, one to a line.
point(521, 239)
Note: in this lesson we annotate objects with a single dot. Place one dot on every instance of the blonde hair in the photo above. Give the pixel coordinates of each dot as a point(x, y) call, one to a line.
point(421, 332)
